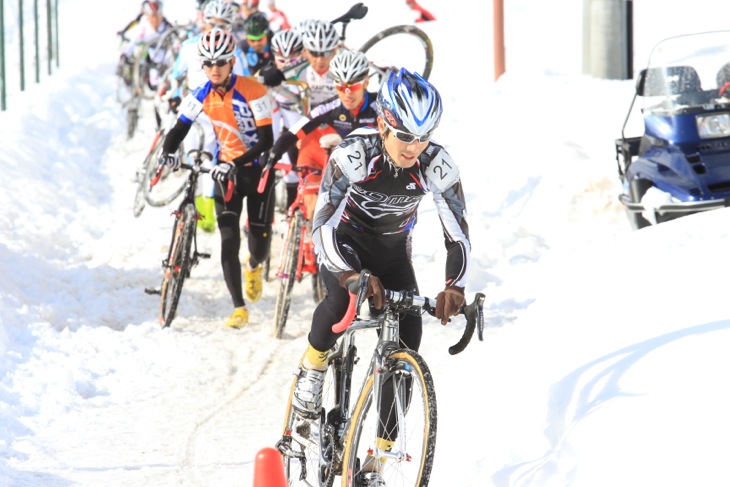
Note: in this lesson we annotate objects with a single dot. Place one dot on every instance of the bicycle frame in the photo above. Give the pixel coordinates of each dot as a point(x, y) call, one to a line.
point(344, 430)
point(306, 259)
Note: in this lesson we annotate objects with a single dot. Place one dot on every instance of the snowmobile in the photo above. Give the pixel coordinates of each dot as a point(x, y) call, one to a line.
point(681, 163)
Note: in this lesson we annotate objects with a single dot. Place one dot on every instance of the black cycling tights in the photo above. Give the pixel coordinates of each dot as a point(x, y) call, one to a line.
point(260, 214)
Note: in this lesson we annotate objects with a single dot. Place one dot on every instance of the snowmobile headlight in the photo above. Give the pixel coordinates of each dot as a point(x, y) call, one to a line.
point(713, 126)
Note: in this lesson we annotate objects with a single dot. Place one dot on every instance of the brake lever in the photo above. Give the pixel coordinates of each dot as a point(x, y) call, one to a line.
point(474, 313)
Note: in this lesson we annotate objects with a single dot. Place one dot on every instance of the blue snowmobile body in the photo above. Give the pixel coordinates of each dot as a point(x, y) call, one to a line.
point(681, 163)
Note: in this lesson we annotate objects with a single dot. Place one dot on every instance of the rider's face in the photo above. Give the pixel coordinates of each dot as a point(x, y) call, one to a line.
point(320, 61)
point(403, 154)
point(351, 94)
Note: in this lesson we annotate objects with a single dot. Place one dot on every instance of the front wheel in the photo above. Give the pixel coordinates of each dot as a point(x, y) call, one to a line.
point(401, 432)
point(178, 264)
point(400, 46)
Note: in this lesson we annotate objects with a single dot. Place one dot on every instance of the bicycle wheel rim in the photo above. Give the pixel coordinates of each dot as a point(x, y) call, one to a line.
point(415, 441)
point(287, 276)
point(171, 183)
point(179, 262)
point(400, 46)
point(140, 196)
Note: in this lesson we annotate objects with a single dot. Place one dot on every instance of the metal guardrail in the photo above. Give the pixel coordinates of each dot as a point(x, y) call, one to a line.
point(13, 35)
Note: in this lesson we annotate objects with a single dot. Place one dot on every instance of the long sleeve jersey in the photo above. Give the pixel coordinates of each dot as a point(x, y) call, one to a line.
point(333, 114)
point(363, 191)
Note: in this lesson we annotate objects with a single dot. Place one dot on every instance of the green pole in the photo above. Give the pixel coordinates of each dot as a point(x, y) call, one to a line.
point(37, 42)
point(21, 43)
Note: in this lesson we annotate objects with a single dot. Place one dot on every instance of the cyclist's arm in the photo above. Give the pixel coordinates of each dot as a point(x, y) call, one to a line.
point(448, 196)
point(175, 136)
point(266, 139)
point(261, 106)
point(331, 202)
point(189, 110)
point(298, 131)
point(131, 24)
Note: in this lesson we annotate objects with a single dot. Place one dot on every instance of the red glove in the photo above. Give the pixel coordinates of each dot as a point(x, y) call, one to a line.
point(375, 290)
point(449, 303)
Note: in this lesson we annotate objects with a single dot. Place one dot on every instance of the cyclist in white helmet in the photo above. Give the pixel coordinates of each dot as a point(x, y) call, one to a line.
point(287, 48)
point(188, 75)
point(330, 122)
point(148, 25)
point(321, 41)
point(240, 110)
point(377, 178)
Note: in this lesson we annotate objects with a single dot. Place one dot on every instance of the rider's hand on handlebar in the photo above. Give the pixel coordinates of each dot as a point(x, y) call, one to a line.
point(449, 302)
point(375, 291)
point(170, 160)
point(223, 171)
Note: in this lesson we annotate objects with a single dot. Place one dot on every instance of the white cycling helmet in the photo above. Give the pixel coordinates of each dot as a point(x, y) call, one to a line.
point(219, 9)
point(287, 43)
point(320, 36)
point(216, 44)
point(349, 66)
point(409, 103)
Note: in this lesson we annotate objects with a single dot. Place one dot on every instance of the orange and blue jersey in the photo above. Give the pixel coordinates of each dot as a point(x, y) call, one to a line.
point(235, 115)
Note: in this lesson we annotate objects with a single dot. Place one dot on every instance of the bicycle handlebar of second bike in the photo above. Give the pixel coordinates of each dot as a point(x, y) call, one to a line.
point(199, 157)
point(405, 300)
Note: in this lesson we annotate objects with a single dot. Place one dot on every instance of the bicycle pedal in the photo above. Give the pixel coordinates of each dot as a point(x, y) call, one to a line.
point(204, 255)
point(150, 290)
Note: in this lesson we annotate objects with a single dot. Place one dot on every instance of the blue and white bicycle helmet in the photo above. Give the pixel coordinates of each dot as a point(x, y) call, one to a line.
point(409, 103)
point(287, 43)
point(216, 44)
point(219, 9)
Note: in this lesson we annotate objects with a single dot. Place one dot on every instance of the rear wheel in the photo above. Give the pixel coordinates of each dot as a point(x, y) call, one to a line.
point(407, 417)
point(178, 265)
point(287, 273)
point(400, 46)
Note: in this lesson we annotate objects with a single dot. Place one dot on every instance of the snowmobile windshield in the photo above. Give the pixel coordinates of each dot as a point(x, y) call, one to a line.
point(688, 74)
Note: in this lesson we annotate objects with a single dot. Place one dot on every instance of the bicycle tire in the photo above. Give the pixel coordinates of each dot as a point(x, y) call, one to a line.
point(171, 183)
point(287, 273)
point(178, 266)
point(423, 68)
point(304, 451)
point(142, 176)
point(416, 432)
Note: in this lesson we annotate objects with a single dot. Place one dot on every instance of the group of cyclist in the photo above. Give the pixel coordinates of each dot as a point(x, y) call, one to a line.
point(382, 162)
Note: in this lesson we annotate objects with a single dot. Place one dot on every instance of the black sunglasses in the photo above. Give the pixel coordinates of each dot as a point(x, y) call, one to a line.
point(218, 62)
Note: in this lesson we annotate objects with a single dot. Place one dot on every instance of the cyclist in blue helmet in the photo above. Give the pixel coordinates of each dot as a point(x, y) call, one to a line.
point(365, 215)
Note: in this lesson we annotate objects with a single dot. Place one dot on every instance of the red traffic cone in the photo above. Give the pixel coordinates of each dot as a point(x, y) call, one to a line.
point(268, 470)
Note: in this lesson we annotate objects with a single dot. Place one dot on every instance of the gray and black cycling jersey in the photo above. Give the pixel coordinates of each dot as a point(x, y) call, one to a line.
point(362, 191)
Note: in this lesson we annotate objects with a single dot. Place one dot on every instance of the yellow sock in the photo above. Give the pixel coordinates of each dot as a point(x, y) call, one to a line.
point(314, 359)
